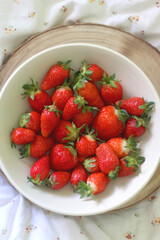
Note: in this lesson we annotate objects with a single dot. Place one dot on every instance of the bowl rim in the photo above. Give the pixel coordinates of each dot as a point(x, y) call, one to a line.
point(2, 89)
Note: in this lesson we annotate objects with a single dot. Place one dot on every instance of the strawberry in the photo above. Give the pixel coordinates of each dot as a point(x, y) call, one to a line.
point(111, 90)
point(73, 106)
point(130, 165)
point(135, 126)
point(66, 131)
point(122, 146)
point(95, 184)
point(37, 99)
point(58, 180)
point(61, 95)
point(31, 120)
point(40, 170)
point(80, 158)
point(49, 119)
point(91, 71)
point(63, 157)
point(108, 160)
point(92, 164)
point(38, 147)
point(56, 75)
point(87, 144)
point(109, 122)
point(136, 106)
point(88, 90)
point(84, 118)
point(22, 136)
point(78, 174)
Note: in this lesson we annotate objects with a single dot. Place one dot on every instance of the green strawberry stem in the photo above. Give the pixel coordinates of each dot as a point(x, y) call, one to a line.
point(92, 134)
point(75, 79)
point(53, 108)
point(84, 70)
point(81, 102)
point(84, 189)
point(114, 173)
point(123, 115)
point(78, 82)
point(134, 160)
point(36, 181)
point(13, 145)
point(89, 108)
point(89, 163)
point(109, 80)
point(74, 132)
point(25, 150)
point(65, 64)
point(131, 143)
point(142, 121)
point(148, 106)
point(24, 119)
point(51, 182)
point(30, 89)
point(72, 150)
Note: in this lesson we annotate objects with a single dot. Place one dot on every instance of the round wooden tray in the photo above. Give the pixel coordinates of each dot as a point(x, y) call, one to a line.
point(140, 52)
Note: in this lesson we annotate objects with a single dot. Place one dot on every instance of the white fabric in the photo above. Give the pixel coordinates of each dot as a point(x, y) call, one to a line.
point(20, 219)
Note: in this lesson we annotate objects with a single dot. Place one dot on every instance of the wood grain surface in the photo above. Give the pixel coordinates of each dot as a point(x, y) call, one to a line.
point(136, 49)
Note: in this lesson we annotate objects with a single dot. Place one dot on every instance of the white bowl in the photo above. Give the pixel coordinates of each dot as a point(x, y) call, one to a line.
point(64, 201)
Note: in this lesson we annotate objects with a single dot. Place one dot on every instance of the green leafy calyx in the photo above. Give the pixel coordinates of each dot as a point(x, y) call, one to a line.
point(84, 189)
point(109, 80)
point(25, 150)
point(30, 89)
point(24, 119)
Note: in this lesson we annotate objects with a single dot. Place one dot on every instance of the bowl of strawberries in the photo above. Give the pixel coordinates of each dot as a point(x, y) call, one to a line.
point(79, 129)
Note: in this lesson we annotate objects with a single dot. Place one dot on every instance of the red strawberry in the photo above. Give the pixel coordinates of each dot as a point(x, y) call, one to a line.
point(78, 174)
point(38, 99)
point(135, 126)
point(81, 158)
point(56, 75)
point(73, 106)
point(31, 120)
point(136, 106)
point(108, 160)
point(40, 170)
point(124, 170)
point(91, 71)
point(122, 146)
point(96, 183)
point(84, 118)
point(63, 157)
point(49, 119)
point(61, 95)
point(22, 136)
point(90, 92)
point(58, 179)
point(111, 90)
point(109, 122)
point(87, 144)
point(65, 131)
point(92, 164)
point(39, 147)
point(129, 165)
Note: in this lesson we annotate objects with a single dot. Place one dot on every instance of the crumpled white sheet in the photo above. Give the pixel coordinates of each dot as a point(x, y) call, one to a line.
point(20, 219)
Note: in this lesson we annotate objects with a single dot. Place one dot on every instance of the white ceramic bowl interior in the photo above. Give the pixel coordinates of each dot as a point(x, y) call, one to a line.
point(64, 201)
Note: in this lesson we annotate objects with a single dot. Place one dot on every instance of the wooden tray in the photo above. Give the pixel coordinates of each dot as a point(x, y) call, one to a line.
point(140, 52)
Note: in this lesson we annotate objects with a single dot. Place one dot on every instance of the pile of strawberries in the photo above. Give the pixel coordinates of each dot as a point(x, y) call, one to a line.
point(84, 132)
